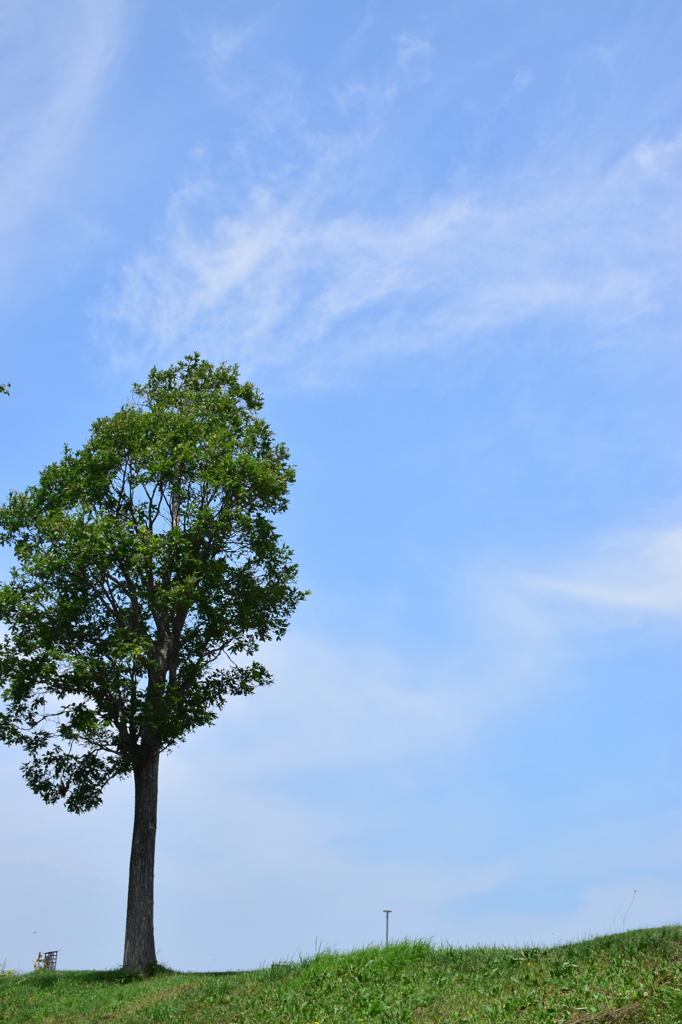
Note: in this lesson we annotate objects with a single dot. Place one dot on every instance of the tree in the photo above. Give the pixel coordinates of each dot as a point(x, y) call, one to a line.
point(4, 389)
point(148, 573)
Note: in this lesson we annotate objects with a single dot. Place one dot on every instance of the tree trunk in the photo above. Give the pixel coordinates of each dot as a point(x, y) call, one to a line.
point(139, 951)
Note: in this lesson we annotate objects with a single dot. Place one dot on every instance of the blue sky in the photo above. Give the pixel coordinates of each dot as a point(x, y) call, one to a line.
point(443, 240)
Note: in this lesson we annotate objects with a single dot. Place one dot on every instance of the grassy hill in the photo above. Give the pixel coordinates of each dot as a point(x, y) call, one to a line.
point(631, 977)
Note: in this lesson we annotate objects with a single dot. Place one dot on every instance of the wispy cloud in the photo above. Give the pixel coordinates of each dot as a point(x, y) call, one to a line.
point(414, 56)
point(224, 46)
point(53, 58)
point(412, 48)
point(282, 279)
point(640, 572)
point(342, 703)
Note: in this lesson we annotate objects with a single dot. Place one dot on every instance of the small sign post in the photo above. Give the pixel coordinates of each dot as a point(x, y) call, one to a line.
point(387, 912)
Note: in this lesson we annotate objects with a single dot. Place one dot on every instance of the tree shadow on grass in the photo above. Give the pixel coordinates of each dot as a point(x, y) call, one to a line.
point(48, 979)
point(115, 976)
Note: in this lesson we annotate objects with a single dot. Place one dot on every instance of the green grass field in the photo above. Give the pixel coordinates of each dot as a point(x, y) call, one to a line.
point(634, 976)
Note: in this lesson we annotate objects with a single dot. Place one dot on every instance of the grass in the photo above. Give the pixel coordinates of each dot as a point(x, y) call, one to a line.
point(632, 977)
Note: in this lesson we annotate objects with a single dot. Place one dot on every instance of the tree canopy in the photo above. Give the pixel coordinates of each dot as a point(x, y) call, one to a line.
point(142, 559)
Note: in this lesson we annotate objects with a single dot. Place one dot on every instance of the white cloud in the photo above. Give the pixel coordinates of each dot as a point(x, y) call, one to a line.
point(280, 279)
point(223, 48)
point(658, 159)
point(52, 58)
point(414, 57)
point(636, 571)
point(522, 78)
point(224, 45)
point(410, 47)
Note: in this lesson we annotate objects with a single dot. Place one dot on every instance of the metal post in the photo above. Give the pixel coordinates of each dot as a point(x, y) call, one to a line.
point(387, 912)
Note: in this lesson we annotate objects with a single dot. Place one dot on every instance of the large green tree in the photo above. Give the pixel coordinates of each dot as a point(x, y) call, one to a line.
point(148, 572)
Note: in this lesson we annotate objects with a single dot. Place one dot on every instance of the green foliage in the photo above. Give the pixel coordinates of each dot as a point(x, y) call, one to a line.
point(148, 573)
point(4, 389)
point(631, 977)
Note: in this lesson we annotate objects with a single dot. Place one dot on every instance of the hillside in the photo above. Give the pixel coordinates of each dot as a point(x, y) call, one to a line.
point(631, 977)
